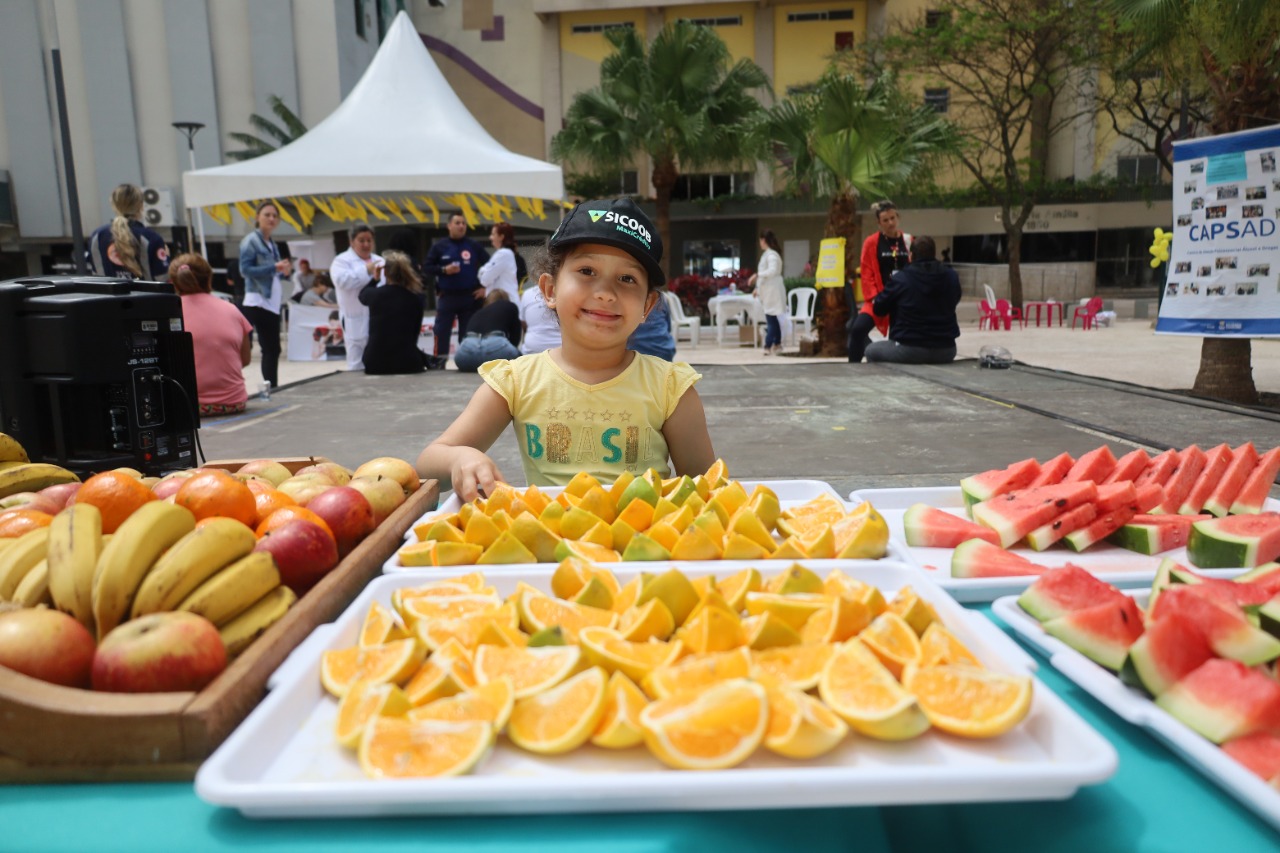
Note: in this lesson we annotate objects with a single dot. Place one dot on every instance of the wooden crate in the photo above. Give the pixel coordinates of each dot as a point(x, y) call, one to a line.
point(50, 733)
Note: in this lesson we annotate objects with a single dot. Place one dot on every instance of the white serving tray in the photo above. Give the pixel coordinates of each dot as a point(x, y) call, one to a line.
point(1134, 706)
point(283, 760)
point(1117, 566)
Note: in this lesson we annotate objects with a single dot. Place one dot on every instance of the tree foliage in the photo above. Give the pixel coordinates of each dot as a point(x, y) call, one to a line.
point(270, 134)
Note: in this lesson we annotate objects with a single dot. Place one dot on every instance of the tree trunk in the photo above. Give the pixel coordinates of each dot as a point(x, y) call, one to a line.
point(1014, 235)
point(1225, 370)
point(832, 312)
point(664, 178)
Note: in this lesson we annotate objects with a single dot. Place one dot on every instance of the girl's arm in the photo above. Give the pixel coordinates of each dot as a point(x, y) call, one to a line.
point(687, 438)
point(457, 458)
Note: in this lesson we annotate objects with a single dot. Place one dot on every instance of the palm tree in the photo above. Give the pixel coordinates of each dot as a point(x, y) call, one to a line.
point(682, 102)
point(272, 136)
point(843, 140)
point(1232, 47)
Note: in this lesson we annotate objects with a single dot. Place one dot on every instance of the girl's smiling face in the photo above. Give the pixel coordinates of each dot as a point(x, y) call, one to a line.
point(601, 295)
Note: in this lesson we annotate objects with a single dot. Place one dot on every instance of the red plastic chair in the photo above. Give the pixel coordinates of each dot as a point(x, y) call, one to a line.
point(1087, 313)
point(989, 318)
point(1008, 313)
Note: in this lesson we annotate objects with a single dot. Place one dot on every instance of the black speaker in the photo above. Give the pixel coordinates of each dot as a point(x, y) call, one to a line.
point(97, 373)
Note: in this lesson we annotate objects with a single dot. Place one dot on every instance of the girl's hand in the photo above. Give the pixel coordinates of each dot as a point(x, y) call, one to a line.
point(473, 474)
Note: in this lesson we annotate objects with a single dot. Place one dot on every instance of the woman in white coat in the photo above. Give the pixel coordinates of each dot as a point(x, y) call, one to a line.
point(771, 291)
point(350, 272)
point(499, 273)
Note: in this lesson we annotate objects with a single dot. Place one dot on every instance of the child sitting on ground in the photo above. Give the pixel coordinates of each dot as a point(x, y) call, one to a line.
point(589, 404)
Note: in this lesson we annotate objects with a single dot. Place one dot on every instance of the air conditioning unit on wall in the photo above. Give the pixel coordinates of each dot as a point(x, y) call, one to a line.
point(157, 207)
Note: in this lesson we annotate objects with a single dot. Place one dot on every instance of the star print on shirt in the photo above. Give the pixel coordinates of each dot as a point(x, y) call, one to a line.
point(553, 414)
point(589, 417)
point(570, 414)
point(606, 416)
point(625, 417)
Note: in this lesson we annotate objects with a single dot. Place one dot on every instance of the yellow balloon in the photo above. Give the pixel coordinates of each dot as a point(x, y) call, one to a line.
point(1159, 233)
point(1155, 263)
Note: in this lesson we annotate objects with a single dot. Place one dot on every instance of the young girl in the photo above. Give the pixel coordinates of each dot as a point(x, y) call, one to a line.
point(590, 404)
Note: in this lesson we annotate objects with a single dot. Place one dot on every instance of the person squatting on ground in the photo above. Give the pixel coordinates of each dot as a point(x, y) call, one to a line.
point(500, 271)
point(494, 332)
point(590, 404)
point(124, 247)
point(920, 301)
point(771, 290)
point(351, 271)
point(394, 318)
point(883, 253)
point(264, 270)
point(455, 262)
point(219, 337)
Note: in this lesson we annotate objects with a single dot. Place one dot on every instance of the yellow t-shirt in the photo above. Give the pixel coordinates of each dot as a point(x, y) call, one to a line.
point(565, 426)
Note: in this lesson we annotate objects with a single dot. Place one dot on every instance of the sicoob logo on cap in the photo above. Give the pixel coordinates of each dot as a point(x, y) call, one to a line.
point(626, 224)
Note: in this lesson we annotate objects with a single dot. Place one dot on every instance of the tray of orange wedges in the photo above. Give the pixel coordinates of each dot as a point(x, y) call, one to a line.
point(853, 683)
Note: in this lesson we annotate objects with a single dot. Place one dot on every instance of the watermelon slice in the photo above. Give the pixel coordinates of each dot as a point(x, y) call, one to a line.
point(1073, 519)
point(1153, 534)
point(988, 484)
point(1103, 633)
point(1128, 466)
point(1243, 460)
point(978, 558)
point(1266, 573)
point(1015, 514)
point(1259, 753)
point(1216, 461)
point(1237, 540)
point(1159, 470)
point(1053, 471)
point(1100, 528)
point(1094, 466)
point(1231, 594)
point(1114, 496)
point(1170, 649)
point(1061, 591)
point(1224, 699)
point(1149, 497)
point(1269, 616)
point(1228, 631)
point(1253, 494)
point(928, 527)
point(1191, 463)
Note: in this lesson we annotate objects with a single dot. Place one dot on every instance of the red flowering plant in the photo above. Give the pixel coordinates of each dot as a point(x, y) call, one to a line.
point(695, 291)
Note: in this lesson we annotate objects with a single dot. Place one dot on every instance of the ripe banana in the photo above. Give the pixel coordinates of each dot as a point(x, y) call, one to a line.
point(20, 558)
point(11, 450)
point(253, 623)
point(34, 589)
point(75, 544)
point(190, 562)
point(32, 477)
point(133, 550)
point(234, 589)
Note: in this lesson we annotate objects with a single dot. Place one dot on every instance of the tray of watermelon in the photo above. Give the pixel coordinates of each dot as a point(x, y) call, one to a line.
point(997, 531)
point(1192, 660)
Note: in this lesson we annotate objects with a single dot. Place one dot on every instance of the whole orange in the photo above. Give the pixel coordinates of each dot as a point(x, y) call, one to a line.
point(15, 522)
point(289, 513)
point(217, 493)
point(116, 495)
point(269, 500)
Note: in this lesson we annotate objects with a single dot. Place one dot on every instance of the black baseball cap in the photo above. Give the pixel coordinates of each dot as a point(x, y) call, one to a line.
point(617, 222)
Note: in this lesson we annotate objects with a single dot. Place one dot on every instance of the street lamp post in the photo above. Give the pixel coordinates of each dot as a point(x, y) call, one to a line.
point(190, 128)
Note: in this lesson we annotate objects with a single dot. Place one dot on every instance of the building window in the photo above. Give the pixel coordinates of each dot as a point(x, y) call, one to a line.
point(844, 41)
point(712, 257)
point(829, 15)
point(711, 185)
point(1142, 169)
point(583, 29)
point(360, 25)
point(727, 21)
point(933, 19)
point(630, 182)
point(939, 99)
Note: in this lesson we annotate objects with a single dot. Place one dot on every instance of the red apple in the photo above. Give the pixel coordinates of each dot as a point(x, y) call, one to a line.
point(266, 468)
point(304, 487)
point(46, 644)
point(348, 514)
point(61, 494)
point(31, 500)
point(383, 493)
point(340, 476)
point(304, 553)
point(160, 653)
point(170, 483)
point(397, 469)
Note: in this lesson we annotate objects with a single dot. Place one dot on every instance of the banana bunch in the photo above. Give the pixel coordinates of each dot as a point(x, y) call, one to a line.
point(19, 474)
point(23, 557)
point(11, 450)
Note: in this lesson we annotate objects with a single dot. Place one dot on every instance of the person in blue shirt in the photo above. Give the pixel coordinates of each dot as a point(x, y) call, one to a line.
point(124, 247)
point(455, 262)
point(653, 336)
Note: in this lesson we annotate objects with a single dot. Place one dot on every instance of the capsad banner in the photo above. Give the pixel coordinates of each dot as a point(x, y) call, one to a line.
point(1224, 265)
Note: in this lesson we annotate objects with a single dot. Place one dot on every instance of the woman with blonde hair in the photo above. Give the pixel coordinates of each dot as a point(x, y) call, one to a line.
point(124, 247)
point(395, 318)
point(220, 335)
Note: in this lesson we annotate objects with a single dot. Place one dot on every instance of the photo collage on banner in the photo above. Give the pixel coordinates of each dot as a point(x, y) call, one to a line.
point(1224, 263)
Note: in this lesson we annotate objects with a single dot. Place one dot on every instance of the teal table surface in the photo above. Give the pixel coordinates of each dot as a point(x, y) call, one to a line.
point(1155, 802)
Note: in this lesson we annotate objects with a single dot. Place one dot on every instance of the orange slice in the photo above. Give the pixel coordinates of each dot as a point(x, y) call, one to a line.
point(893, 641)
point(448, 671)
point(620, 725)
point(398, 748)
point(539, 611)
point(800, 726)
point(836, 622)
point(799, 667)
point(531, 670)
point(857, 686)
point(651, 620)
point(734, 588)
point(390, 663)
point(939, 646)
point(767, 631)
point(362, 704)
point(431, 608)
point(489, 703)
point(468, 630)
point(794, 610)
point(917, 612)
point(562, 718)
point(713, 630)
point(604, 648)
point(626, 595)
point(968, 701)
point(380, 626)
point(697, 672)
point(717, 475)
point(712, 729)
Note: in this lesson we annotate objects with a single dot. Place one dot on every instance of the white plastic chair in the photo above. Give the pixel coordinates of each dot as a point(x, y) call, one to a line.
point(676, 311)
point(991, 295)
point(800, 303)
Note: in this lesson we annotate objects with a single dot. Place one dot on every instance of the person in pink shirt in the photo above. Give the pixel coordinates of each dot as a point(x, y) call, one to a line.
point(220, 334)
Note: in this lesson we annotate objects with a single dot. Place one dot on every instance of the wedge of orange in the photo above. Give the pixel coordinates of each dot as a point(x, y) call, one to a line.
point(893, 641)
point(380, 626)
point(837, 622)
point(917, 612)
point(490, 703)
point(605, 648)
point(799, 667)
point(939, 646)
point(651, 620)
point(562, 718)
point(695, 673)
point(970, 702)
point(619, 727)
point(856, 685)
point(800, 726)
point(446, 672)
point(710, 729)
point(468, 630)
point(433, 607)
point(542, 611)
point(531, 670)
point(399, 748)
point(389, 663)
point(362, 704)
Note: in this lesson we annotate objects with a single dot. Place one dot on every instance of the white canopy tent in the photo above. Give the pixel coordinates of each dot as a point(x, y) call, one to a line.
point(401, 130)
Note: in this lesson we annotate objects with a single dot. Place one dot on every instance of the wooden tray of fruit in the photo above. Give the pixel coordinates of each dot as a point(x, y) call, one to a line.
point(152, 717)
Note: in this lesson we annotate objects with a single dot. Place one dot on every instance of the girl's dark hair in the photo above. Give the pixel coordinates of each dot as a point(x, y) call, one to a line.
point(190, 273)
point(770, 239)
point(507, 233)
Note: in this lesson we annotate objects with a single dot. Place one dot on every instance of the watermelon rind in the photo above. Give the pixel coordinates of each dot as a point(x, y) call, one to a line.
point(1237, 540)
point(1269, 617)
point(1168, 650)
point(1064, 590)
point(1222, 699)
point(1073, 519)
point(1259, 753)
point(1266, 570)
point(1103, 633)
point(1243, 460)
point(924, 526)
point(1015, 514)
point(1101, 528)
point(1225, 626)
point(988, 484)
